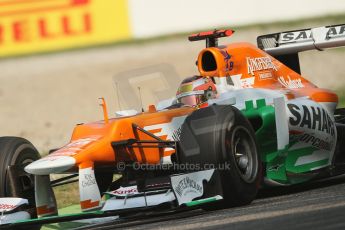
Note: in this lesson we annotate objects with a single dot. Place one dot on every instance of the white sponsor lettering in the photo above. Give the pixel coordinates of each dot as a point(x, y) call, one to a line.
point(124, 191)
point(297, 36)
point(306, 35)
point(261, 63)
point(265, 76)
point(241, 83)
point(190, 186)
point(74, 147)
point(88, 189)
point(291, 83)
point(9, 204)
point(171, 129)
point(336, 31)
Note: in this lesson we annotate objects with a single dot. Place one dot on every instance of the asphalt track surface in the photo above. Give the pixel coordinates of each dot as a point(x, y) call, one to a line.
point(319, 205)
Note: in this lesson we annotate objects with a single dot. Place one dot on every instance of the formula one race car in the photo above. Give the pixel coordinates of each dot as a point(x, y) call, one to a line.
point(248, 120)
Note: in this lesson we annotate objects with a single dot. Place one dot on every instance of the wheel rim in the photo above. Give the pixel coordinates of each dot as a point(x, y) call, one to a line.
point(243, 150)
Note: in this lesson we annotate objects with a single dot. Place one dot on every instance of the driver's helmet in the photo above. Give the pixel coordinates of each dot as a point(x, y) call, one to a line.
point(196, 90)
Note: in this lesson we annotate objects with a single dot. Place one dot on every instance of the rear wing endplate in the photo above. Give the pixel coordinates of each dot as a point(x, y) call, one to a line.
point(292, 42)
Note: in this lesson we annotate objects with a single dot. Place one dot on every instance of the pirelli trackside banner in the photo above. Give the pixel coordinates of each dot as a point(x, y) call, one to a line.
point(31, 26)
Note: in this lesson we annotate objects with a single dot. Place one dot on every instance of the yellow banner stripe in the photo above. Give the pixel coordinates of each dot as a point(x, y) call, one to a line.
point(52, 25)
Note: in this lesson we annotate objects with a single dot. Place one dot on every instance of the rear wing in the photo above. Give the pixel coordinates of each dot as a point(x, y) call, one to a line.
point(285, 46)
point(296, 41)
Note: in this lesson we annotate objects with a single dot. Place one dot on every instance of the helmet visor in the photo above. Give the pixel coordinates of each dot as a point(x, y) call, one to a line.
point(191, 100)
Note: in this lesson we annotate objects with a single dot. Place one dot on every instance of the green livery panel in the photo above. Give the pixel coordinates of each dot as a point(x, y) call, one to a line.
point(279, 165)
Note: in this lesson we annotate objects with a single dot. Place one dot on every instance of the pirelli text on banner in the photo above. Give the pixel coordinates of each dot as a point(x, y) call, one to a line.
point(33, 26)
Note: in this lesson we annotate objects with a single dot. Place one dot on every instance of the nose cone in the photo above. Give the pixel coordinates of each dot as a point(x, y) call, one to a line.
point(50, 164)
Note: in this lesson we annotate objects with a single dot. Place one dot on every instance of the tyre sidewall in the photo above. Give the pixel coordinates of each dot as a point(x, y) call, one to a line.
point(14, 151)
point(202, 142)
point(236, 190)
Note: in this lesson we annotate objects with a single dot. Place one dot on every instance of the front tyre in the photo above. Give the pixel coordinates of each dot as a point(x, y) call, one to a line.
point(19, 152)
point(221, 135)
point(241, 182)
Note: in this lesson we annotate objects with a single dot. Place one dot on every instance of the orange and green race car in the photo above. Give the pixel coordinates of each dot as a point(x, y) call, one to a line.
point(248, 119)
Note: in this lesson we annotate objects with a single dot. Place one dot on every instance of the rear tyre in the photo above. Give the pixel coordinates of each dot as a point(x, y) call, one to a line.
point(339, 153)
point(222, 136)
